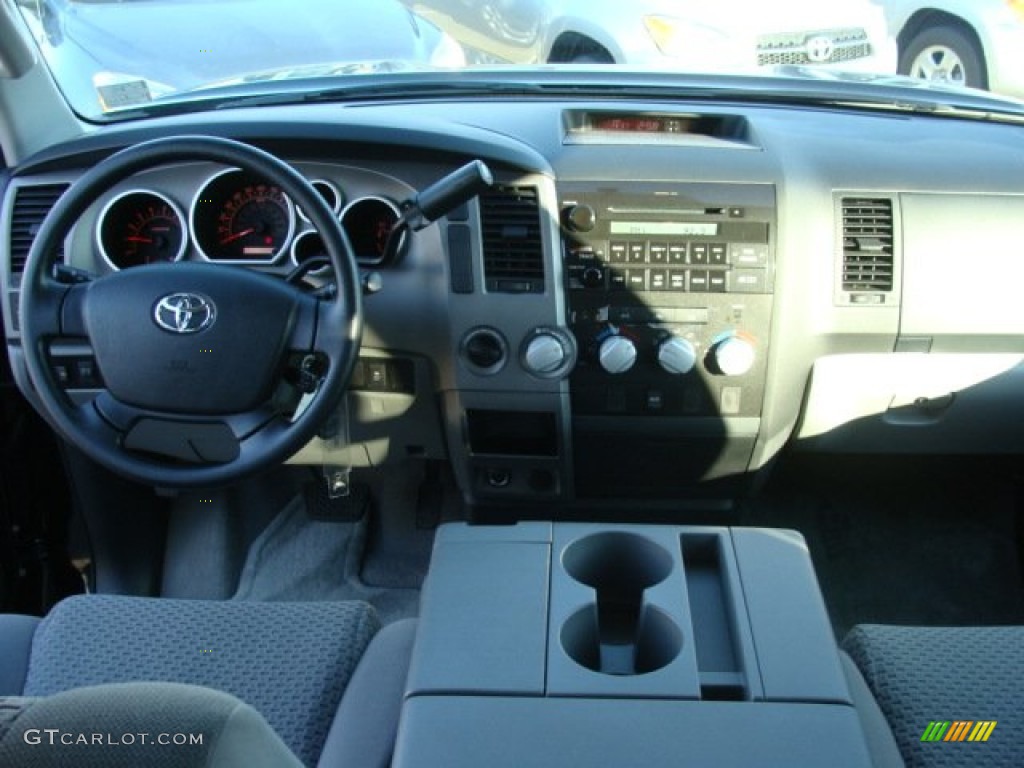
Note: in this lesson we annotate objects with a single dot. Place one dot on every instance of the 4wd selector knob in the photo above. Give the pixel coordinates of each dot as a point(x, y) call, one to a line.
point(580, 217)
point(677, 355)
point(617, 354)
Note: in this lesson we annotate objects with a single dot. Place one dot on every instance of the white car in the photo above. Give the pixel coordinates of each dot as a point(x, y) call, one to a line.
point(676, 34)
point(973, 43)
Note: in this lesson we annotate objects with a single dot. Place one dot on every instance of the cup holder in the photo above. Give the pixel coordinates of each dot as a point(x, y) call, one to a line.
point(619, 634)
point(621, 647)
point(616, 561)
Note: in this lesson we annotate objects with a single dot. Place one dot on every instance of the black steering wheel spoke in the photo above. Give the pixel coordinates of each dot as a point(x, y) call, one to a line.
point(191, 354)
point(56, 310)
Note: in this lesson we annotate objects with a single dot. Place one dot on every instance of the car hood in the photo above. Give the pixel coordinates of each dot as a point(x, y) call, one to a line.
point(173, 43)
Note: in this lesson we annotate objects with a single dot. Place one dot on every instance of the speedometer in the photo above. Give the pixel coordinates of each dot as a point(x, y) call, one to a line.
point(241, 218)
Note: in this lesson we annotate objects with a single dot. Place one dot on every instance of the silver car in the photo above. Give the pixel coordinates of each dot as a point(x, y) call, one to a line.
point(676, 34)
point(973, 43)
point(94, 46)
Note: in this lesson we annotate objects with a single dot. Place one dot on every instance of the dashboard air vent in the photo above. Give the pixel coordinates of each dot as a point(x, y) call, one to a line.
point(513, 252)
point(31, 204)
point(867, 245)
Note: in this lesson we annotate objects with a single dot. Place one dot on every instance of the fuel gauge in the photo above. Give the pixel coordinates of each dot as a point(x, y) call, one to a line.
point(140, 227)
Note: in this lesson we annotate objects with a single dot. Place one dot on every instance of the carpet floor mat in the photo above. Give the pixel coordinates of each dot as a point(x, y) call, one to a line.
point(901, 541)
point(296, 558)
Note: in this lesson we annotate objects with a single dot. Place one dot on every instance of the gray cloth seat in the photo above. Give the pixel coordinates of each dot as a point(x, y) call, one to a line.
point(291, 662)
point(162, 725)
point(924, 675)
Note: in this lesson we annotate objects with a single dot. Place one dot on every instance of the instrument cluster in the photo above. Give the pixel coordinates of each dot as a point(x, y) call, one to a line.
point(236, 217)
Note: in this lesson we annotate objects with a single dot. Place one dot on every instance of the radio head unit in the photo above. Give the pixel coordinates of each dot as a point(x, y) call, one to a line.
point(669, 296)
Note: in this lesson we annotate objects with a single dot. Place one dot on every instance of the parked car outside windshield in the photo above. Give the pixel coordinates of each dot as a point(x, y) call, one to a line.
point(687, 35)
point(112, 54)
point(967, 43)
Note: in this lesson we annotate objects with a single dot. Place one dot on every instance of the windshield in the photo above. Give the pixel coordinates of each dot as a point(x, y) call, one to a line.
point(109, 56)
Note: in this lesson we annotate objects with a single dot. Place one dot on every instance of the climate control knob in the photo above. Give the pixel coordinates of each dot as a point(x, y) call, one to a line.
point(677, 355)
point(617, 354)
point(733, 356)
point(545, 355)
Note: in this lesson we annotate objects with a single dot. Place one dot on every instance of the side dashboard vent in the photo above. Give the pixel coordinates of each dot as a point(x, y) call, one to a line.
point(868, 263)
point(31, 204)
point(513, 250)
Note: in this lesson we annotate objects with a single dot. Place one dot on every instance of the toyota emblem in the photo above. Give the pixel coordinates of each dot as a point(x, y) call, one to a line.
point(819, 49)
point(184, 313)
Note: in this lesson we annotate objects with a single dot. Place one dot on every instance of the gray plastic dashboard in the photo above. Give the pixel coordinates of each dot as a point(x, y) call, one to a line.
point(936, 366)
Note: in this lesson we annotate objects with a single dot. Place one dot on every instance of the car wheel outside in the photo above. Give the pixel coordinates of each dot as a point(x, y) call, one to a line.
point(944, 54)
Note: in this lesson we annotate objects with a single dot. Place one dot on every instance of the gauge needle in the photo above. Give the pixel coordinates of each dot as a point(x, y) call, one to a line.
point(139, 239)
point(237, 235)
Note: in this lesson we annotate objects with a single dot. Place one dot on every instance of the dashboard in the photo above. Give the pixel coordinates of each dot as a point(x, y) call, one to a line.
point(652, 301)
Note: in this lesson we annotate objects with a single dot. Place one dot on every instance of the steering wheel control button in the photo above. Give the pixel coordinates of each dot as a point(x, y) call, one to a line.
point(184, 313)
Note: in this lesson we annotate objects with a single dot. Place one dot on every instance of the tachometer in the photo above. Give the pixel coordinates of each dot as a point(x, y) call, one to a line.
point(239, 217)
point(140, 227)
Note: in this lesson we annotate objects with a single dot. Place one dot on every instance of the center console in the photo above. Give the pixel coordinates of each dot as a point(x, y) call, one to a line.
point(549, 644)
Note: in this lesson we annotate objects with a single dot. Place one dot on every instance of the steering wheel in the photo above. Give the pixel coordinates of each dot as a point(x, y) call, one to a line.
point(196, 359)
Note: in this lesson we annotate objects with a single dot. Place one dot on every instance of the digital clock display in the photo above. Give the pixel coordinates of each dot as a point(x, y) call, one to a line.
point(640, 123)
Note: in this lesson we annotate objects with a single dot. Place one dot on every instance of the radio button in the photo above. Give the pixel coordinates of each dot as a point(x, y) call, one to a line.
point(677, 254)
point(636, 279)
point(698, 253)
point(658, 253)
point(580, 218)
point(716, 282)
point(748, 254)
point(593, 277)
point(637, 253)
point(575, 274)
point(699, 281)
point(658, 280)
point(748, 281)
point(718, 254)
point(617, 253)
point(677, 280)
point(617, 279)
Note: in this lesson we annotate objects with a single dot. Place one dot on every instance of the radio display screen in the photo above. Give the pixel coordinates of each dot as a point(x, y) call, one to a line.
point(664, 228)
